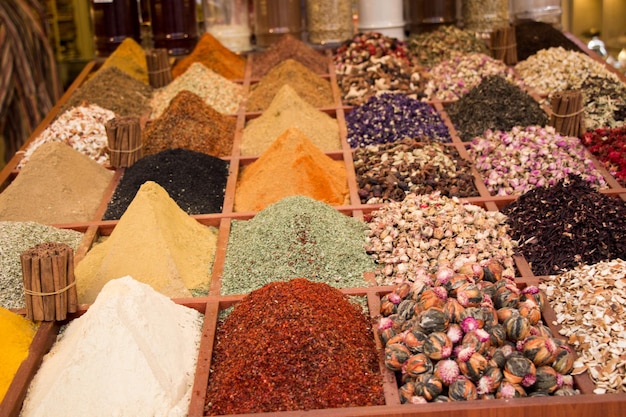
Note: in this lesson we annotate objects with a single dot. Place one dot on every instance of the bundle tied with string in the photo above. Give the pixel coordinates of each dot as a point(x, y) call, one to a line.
point(503, 45)
point(159, 69)
point(49, 281)
point(568, 116)
point(124, 141)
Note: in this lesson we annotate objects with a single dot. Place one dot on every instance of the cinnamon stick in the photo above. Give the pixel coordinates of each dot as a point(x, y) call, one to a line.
point(26, 260)
point(72, 294)
point(38, 306)
point(47, 287)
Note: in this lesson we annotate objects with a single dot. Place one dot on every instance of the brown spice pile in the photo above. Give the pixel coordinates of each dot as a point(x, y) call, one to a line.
point(301, 345)
point(115, 90)
point(309, 86)
point(289, 110)
point(215, 56)
point(289, 47)
point(292, 165)
point(130, 57)
point(189, 123)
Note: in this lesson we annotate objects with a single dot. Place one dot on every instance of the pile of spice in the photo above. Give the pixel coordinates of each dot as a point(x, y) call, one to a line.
point(379, 75)
point(390, 171)
point(521, 159)
point(292, 165)
point(495, 104)
point(82, 128)
point(195, 181)
point(288, 47)
point(16, 335)
point(609, 146)
point(561, 226)
point(557, 69)
point(453, 78)
point(113, 89)
point(295, 237)
point(129, 57)
point(211, 53)
point(472, 334)
point(588, 302)
point(218, 92)
point(155, 242)
point(288, 110)
point(416, 236)
point(133, 353)
point(305, 346)
point(312, 88)
point(605, 102)
point(393, 117)
point(430, 48)
point(367, 45)
point(58, 185)
point(533, 36)
point(189, 123)
point(15, 238)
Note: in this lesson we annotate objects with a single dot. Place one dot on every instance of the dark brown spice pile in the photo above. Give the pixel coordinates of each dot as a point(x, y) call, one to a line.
point(189, 123)
point(294, 345)
point(289, 47)
point(567, 224)
point(534, 36)
point(115, 90)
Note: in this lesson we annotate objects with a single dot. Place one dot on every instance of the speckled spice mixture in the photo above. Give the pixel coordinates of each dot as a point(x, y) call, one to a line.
point(289, 47)
point(15, 238)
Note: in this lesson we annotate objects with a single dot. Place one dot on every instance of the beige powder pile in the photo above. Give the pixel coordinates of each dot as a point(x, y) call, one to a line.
point(155, 242)
point(58, 185)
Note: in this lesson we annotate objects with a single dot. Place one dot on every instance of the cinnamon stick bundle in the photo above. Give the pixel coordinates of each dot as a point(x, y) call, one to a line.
point(504, 45)
point(159, 69)
point(568, 116)
point(124, 141)
point(49, 281)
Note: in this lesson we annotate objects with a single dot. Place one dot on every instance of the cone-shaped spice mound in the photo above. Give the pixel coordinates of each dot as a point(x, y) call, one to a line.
point(211, 53)
point(291, 166)
point(312, 349)
point(189, 123)
point(155, 242)
point(130, 57)
point(58, 185)
point(287, 110)
point(289, 47)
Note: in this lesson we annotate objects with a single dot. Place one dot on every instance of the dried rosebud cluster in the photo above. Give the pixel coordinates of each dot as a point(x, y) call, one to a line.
point(472, 334)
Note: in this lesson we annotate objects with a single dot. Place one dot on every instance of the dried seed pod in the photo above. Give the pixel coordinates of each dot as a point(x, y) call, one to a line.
point(462, 390)
point(529, 308)
point(414, 340)
point(489, 316)
point(477, 339)
point(541, 329)
point(510, 390)
point(469, 295)
point(453, 310)
point(497, 335)
point(501, 354)
point(406, 309)
point(472, 269)
point(473, 368)
point(433, 320)
point(447, 370)
point(430, 298)
point(532, 292)
point(506, 296)
point(397, 338)
point(548, 380)
point(517, 328)
point(487, 288)
point(564, 357)
point(387, 334)
point(438, 346)
point(518, 369)
point(417, 364)
point(541, 350)
point(475, 313)
point(490, 381)
point(492, 271)
point(396, 354)
point(406, 391)
point(506, 312)
point(397, 323)
point(387, 307)
point(457, 281)
point(430, 388)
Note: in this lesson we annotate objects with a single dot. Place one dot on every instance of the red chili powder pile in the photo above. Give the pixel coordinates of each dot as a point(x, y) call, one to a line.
point(295, 345)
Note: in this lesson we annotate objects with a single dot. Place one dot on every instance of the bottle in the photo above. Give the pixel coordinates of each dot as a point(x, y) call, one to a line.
point(228, 22)
point(174, 25)
point(274, 18)
point(547, 11)
point(114, 21)
point(484, 16)
point(329, 21)
point(428, 15)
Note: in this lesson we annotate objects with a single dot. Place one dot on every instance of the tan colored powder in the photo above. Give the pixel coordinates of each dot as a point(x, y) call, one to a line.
point(156, 243)
point(314, 89)
point(287, 110)
point(288, 46)
point(214, 55)
point(291, 166)
point(58, 185)
point(130, 57)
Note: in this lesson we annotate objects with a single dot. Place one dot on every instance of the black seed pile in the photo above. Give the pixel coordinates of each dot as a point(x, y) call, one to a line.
point(196, 181)
point(494, 104)
point(567, 224)
point(532, 37)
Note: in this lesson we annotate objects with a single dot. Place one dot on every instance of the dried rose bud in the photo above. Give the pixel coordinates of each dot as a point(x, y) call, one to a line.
point(396, 355)
point(414, 340)
point(548, 380)
point(433, 320)
point(417, 364)
point(462, 390)
point(453, 310)
point(541, 350)
point(447, 370)
point(517, 328)
point(518, 369)
point(438, 346)
point(444, 273)
point(474, 367)
point(510, 390)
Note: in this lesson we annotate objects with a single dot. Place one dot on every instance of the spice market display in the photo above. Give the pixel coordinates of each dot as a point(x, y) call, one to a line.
point(382, 227)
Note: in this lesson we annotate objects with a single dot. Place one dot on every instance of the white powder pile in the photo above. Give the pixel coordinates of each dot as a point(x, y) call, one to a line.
point(133, 353)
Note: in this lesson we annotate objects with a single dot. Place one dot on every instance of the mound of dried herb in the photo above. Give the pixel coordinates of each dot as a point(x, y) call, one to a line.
point(430, 48)
point(562, 226)
point(534, 36)
point(288, 47)
point(609, 145)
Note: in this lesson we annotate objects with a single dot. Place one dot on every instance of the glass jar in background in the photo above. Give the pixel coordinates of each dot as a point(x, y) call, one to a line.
point(274, 18)
point(385, 17)
point(228, 22)
point(547, 11)
point(174, 25)
point(428, 15)
point(484, 16)
point(329, 21)
point(114, 21)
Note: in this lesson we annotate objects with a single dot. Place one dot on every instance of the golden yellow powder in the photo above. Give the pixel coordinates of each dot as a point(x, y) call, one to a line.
point(16, 335)
point(156, 243)
point(129, 57)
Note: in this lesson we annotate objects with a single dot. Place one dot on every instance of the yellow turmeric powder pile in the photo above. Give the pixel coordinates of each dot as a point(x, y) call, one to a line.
point(16, 335)
point(129, 57)
point(215, 56)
